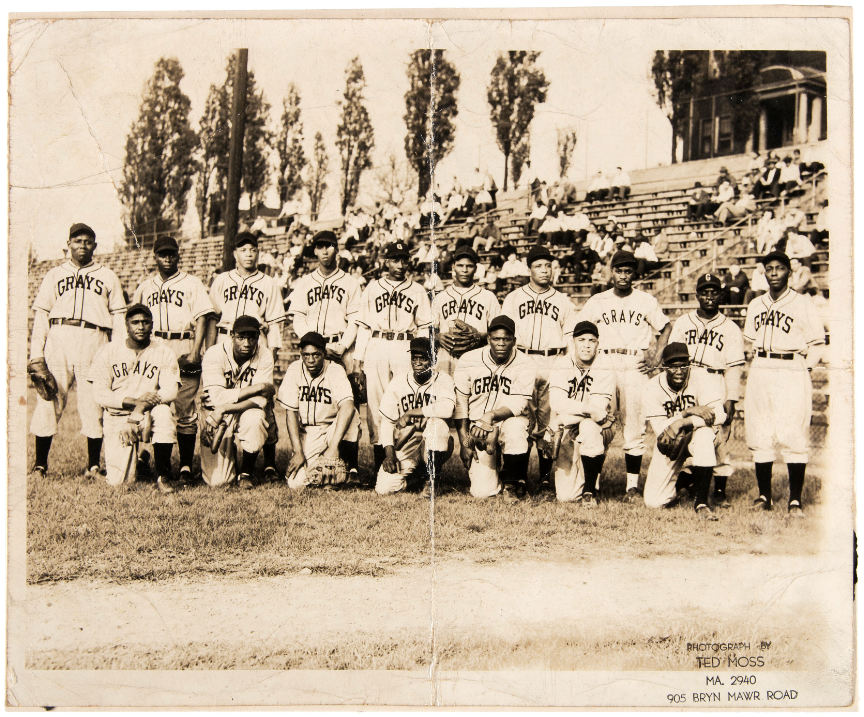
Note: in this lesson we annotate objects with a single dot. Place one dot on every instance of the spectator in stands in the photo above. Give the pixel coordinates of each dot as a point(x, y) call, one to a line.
point(531, 180)
point(660, 243)
point(431, 211)
point(790, 176)
point(819, 235)
point(758, 283)
point(455, 207)
point(799, 246)
point(357, 273)
point(768, 183)
point(646, 258)
point(806, 170)
point(725, 193)
point(620, 184)
point(756, 163)
point(601, 244)
point(735, 209)
point(536, 217)
point(556, 271)
point(601, 277)
point(768, 232)
point(700, 203)
point(735, 285)
point(598, 189)
point(724, 176)
point(550, 230)
point(793, 217)
point(514, 268)
point(801, 278)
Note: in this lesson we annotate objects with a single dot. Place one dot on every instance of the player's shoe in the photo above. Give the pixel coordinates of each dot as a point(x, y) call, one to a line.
point(164, 486)
point(271, 475)
point(38, 472)
point(704, 512)
point(588, 501)
point(632, 495)
point(762, 503)
point(244, 481)
point(720, 500)
point(93, 473)
point(184, 475)
point(795, 510)
point(513, 491)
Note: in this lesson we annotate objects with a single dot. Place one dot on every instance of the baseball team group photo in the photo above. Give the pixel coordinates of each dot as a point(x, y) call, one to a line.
point(323, 343)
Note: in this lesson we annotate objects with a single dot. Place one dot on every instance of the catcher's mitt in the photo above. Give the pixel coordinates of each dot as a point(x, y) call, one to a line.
point(43, 380)
point(673, 444)
point(358, 387)
point(188, 367)
point(326, 471)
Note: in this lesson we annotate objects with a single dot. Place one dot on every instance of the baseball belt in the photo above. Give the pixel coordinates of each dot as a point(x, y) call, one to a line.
point(78, 322)
point(393, 335)
point(543, 352)
point(173, 334)
point(709, 369)
point(770, 354)
point(265, 329)
point(626, 352)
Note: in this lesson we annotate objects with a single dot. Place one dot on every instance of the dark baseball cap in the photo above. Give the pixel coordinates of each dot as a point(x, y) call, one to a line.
point(421, 345)
point(776, 256)
point(136, 309)
point(502, 322)
point(325, 237)
point(586, 327)
point(708, 279)
point(537, 252)
point(245, 238)
point(466, 252)
point(397, 249)
point(313, 338)
point(676, 351)
point(623, 258)
point(163, 243)
point(81, 228)
point(246, 323)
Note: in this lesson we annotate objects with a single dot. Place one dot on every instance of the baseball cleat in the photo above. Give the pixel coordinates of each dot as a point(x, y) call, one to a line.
point(184, 475)
point(762, 503)
point(513, 491)
point(632, 495)
point(795, 510)
point(271, 475)
point(93, 473)
point(163, 486)
point(720, 500)
point(244, 481)
point(38, 472)
point(704, 512)
point(588, 501)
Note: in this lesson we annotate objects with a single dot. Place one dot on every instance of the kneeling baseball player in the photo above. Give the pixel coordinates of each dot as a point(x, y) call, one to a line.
point(237, 380)
point(134, 381)
point(685, 411)
point(414, 431)
point(493, 385)
point(581, 388)
point(320, 414)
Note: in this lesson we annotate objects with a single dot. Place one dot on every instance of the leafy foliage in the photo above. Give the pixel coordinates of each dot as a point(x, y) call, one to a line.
point(213, 148)
point(316, 181)
point(355, 137)
point(566, 147)
point(292, 158)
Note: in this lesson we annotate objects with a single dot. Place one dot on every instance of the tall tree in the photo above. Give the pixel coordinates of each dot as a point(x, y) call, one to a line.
point(394, 179)
point(521, 153)
point(289, 146)
point(678, 74)
point(430, 108)
point(566, 147)
point(354, 135)
point(213, 141)
point(159, 164)
point(516, 86)
point(316, 180)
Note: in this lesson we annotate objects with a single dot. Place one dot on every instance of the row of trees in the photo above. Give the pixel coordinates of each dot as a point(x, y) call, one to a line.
point(165, 158)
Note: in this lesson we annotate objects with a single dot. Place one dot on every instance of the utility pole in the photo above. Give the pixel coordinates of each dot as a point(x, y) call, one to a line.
point(235, 158)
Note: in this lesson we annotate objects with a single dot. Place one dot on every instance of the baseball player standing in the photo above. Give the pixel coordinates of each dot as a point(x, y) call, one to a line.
point(415, 434)
point(676, 402)
point(716, 349)
point(462, 312)
point(237, 382)
point(628, 319)
point(129, 378)
point(544, 319)
point(393, 310)
point(580, 394)
point(319, 408)
point(180, 305)
point(78, 305)
point(246, 291)
point(493, 387)
point(327, 301)
point(787, 337)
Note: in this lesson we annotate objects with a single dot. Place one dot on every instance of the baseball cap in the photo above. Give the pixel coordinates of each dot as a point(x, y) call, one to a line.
point(81, 228)
point(585, 327)
point(397, 249)
point(502, 322)
point(466, 252)
point(313, 338)
point(136, 309)
point(421, 345)
point(245, 238)
point(709, 279)
point(537, 252)
point(623, 258)
point(776, 256)
point(676, 351)
point(166, 242)
point(325, 237)
point(246, 323)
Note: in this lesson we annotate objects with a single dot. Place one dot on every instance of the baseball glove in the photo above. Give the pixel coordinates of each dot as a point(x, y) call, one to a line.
point(43, 380)
point(326, 471)
point(358, 387)
point(464, 336)
point(704, 412)
point(188, 367)
point(673, 444)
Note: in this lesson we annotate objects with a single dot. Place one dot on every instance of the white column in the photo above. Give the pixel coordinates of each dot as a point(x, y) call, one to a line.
point(763, 129)
point(814, 131)
point(801, 125)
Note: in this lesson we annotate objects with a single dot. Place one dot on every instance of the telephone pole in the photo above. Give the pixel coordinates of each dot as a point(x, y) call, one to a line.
point(235, 158)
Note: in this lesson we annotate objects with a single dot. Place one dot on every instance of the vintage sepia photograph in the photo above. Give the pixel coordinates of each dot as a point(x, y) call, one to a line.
point(431, 359)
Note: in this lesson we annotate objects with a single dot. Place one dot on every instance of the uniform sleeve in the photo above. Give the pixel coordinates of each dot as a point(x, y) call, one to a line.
point(750, 322)
point(44, 300)
point(655, 316)
point(213, 378)
point(389, 407)
point(201, 304)
point(169, 376)
point(116, 300)
point(340, 385)
point(100, 376)
point(653, 410)
point(363, 317)
point(568, 318)
point(216, 293)
point(814, 331)
point(462, 386)
point(423, 314)
point(677, 333)
point(274, 315)
point(287, 394)
point(136, 295)
point(443, 400)
point(352, 310)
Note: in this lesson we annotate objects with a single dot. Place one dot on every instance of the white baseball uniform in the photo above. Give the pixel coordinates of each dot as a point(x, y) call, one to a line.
point(118, 372)
point(573, 390)
point(626, 325)
point(222, 379)
point(391, 314)
point(437, 398)
point(715, 345)
point(473, 305)
point(662, 406)
point(176, 304)
point(257, 295)
point(75, 311)
point(316, 401)
point(544, 328)
point(483, 385)
point(778, 399)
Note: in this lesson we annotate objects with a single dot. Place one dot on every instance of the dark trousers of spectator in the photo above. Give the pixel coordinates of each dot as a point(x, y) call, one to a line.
point(819, 236)
point(697, 212)
point(760, 191)
point(733, 296)
point(792, 188)
point(620, 192)
point(598, 195)
point(531, 226)
point(643, 267)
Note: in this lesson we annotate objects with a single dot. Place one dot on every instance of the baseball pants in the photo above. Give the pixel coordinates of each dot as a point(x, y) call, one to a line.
point(69, 351)
point(538, 404)
point(121, 461)
point(384, 359)
point(723, 467)
point(483, 472)
point(584, 439)
point(778, 402)
point(184, 405)
point(248, 430)
point(411, 444)
point(630, 386)
point(659, 488)
point(316, 439)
